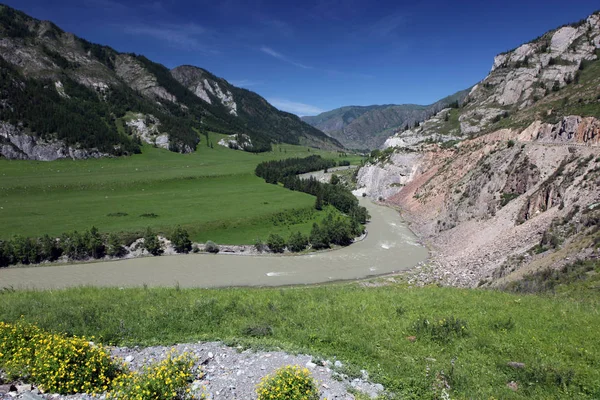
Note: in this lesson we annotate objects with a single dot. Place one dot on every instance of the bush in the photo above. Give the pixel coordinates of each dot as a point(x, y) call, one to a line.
point(211, 247)
point(259, 245)
point(115, 247)
point(276, 243)
point(288, 383)
point(181, 240)
point(55, 362)
point(167, 379)
point(151, 243)
point(442, 330)
point(297, 242)
point(318, 238)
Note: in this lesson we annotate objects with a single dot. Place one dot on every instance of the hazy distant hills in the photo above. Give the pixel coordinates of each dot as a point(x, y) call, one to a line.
point(367, 127)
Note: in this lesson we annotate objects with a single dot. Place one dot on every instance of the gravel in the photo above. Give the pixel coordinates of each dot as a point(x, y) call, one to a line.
point(230, 373)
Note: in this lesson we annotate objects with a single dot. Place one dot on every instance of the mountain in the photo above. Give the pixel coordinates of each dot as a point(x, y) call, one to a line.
point(367, 127)
point(64, 97)
point(251, 110)
point(508, 184)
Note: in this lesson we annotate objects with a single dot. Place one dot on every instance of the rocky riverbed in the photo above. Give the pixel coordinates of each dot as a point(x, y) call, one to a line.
point(226, 373)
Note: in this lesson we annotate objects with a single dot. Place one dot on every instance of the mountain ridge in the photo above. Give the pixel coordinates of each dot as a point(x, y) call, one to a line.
point(93, 101)
point(507, 184)
point(367, 127)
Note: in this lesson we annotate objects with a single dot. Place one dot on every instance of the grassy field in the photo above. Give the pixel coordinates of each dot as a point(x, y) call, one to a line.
point(213, 193)
point(464, 338)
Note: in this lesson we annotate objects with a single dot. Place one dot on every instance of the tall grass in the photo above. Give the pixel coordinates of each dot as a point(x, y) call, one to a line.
point(379, 329)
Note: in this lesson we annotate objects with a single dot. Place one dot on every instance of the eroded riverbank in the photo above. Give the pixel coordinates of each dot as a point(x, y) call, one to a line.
point(389, 247)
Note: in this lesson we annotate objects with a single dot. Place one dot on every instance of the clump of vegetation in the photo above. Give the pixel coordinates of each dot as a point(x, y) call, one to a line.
point(149, 215)
point(288, 383)
point(181, 240)
point(117, 214)
point(297, 242)
point(261, 330)
point(56, 363)
point(165, 380)
point(114, 246)
point(259, 245)
point(211, 247)
point(549, 280)
point(441, 330)
point(151, 243)
point(505, 198)
point(276, 243)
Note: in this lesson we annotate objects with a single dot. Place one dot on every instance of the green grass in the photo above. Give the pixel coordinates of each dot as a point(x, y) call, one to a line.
point(213, 193)
point(367, 328)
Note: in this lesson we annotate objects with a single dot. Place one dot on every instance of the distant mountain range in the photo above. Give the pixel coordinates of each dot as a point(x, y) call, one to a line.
point(367, 127)
point(62, 96)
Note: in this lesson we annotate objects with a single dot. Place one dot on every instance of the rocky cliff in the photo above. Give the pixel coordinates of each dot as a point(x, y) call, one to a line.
point(506, 184)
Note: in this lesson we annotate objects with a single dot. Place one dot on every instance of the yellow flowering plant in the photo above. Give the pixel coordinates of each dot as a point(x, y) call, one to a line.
point(66, 365)
point(56, 363)
point(288, 383)
point(164, 380)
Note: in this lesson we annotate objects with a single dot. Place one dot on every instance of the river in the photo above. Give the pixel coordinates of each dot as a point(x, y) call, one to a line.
point(389, 247)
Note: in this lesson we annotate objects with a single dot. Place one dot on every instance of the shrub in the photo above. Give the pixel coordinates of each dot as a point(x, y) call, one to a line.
point(115, 247)
point(259, 245)
point(258, 330)
point(442, 330)
point(511, 143)
point(276, 243)
point(288, 383)
point(211, 247)
point(55, 362)
point(318, 238)
point(151, 243)
point(164, 380)
point(297, 242)
point(181, 240)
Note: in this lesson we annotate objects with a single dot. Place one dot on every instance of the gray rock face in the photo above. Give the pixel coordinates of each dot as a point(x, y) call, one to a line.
point(528, 71)
point(17, 145)
point(427, 130)
point(148, 128)
point(138, 78)
point(206, 87)
point(386, 179)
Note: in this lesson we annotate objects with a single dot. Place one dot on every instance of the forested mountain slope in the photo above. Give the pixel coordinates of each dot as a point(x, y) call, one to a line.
point(62, 96)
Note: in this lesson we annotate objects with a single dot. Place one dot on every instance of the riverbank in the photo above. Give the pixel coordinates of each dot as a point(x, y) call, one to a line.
point(389, 247)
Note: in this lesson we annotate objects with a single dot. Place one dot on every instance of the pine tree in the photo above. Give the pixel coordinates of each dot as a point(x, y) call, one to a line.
point(151, 243)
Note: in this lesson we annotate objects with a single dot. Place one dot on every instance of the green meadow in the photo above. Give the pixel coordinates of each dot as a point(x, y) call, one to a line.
point(415, 341)
point(213, 193)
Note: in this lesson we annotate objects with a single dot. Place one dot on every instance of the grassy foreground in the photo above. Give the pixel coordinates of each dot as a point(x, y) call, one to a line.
point(213, 193)
point(464, 338)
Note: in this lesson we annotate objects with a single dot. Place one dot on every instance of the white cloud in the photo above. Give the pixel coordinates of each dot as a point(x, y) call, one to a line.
point(245, 83)
point(181, 36)
point(279, 56)
point(293, 107)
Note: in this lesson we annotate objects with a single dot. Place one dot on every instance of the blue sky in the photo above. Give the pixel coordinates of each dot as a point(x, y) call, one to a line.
point(312, 56)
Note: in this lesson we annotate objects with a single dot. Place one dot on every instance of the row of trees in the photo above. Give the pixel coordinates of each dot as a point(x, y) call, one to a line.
point(339, 230)
point(286, 172)
point(276, 171)
point(89, 244)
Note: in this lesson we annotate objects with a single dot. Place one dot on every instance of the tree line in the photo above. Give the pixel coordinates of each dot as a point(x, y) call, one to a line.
point(89, 244)
point(337, 230)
